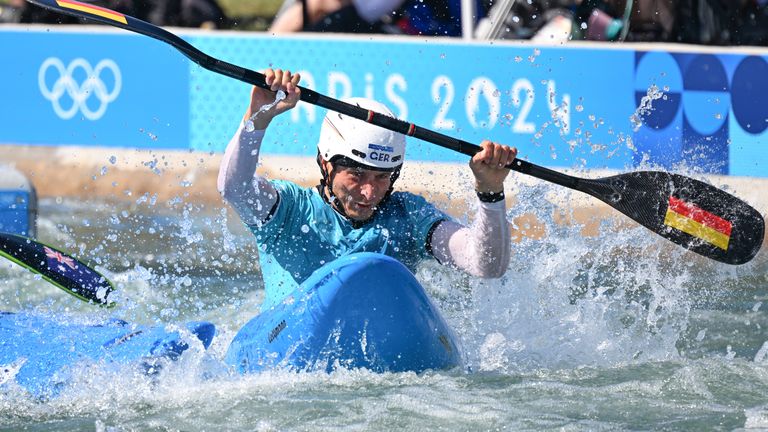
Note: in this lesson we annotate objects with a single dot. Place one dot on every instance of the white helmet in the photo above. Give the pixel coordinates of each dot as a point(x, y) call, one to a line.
point(358, 142)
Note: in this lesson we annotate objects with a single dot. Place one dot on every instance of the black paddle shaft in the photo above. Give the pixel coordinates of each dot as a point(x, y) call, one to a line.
point(644, 196)
point(307, 95)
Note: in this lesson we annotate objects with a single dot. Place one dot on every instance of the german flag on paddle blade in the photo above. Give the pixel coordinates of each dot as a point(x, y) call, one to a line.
point(93, 10)
point(699, 223)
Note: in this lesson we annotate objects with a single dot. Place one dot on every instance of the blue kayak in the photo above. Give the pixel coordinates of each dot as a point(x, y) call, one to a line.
point(361, 311)
point(40, 353)
point(364, 310)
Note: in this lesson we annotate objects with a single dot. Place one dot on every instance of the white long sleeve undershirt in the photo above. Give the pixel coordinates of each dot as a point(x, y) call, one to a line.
point(482, 249)
point(251, 195)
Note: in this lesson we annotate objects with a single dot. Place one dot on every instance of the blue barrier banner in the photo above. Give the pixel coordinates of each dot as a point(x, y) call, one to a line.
point(583, 107)
point(558, 106)
point(108, 89)
point(709, 112)
point(573, 106)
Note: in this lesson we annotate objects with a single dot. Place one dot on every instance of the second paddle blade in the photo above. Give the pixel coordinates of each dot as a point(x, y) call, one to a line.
point(691, 213)
point(57, 267)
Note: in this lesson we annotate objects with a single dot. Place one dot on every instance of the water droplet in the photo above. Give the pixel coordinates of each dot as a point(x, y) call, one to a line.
point(305, 228)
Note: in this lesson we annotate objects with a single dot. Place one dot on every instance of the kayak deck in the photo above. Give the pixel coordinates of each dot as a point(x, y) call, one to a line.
point(364, 310)
point(361, 311)
point(39, 353)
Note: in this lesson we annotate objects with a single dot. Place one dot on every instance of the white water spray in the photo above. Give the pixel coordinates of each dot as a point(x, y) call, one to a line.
point(249, 127)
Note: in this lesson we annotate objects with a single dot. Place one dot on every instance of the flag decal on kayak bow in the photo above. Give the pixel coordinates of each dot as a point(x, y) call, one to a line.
point(697, 222)
point(94, 10)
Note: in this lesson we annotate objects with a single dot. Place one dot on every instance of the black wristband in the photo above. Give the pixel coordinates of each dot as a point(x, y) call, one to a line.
point(490, 197)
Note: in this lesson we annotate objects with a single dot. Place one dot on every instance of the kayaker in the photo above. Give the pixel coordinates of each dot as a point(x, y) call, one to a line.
point(355, 208)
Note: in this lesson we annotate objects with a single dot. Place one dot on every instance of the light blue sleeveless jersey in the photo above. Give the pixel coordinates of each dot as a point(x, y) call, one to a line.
point(305, 232)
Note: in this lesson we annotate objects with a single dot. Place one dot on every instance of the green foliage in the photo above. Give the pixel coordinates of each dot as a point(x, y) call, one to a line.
point(250, 8)
point(252, 15)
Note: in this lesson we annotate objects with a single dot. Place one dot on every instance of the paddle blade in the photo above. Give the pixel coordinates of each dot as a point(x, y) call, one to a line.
point(85, 10)
point(693, 214)
point(58, 268)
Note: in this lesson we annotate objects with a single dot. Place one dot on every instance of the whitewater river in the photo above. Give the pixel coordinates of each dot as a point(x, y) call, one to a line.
point(616, 332)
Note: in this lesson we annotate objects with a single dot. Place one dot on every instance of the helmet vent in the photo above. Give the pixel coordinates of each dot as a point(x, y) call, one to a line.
point(358, 153)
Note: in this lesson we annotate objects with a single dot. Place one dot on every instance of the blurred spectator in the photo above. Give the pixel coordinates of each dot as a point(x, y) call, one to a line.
point(648, 20)
point(705, 21)
point(723, 22)
point(298, 15)
point(415, 17)
point(600, 20)
point(181, 13)
point(752, 24)
point(523, 19)
point(628, 20)
point(710, 22)
point(435, 17)
point(10, 12)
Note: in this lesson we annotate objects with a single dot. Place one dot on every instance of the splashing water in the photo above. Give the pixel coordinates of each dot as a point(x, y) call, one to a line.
point(646, 106)
point(249, 127)
point(617, 324)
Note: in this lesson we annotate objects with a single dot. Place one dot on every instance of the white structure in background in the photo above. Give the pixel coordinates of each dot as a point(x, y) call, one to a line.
point(467, 19)
point(489, 27)
point(556, 31)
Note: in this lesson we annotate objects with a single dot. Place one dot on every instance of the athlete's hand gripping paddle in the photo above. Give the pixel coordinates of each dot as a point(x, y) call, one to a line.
point(688, 212)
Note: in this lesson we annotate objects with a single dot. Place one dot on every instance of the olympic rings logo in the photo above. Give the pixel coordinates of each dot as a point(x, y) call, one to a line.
point(79, 93)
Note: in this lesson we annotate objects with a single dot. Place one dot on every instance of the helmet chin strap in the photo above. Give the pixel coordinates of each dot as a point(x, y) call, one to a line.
point(326, 188)
point(326, 191)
